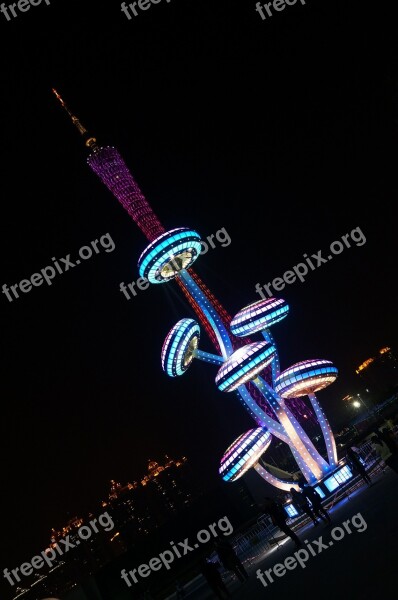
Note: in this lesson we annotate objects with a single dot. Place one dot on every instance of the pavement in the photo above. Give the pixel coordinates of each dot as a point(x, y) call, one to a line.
point(355, 560)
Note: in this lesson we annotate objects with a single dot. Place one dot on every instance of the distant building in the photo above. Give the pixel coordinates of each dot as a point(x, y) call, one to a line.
point(379, 373)
point(168, 488)
point(140, 507)
point(70, 528)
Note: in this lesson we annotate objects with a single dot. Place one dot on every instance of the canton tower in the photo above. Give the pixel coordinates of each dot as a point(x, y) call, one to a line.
point(245, 352)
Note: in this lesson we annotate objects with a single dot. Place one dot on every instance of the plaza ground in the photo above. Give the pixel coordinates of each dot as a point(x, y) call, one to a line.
point(359, 566)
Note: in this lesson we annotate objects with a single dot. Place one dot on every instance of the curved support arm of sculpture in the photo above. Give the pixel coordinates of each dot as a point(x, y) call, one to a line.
point(275, 481)
point(264, 420)
point(312, 464)
point(275, 365)
point(208, 357)
point(261, 417)
point(304, 437)
point(307, 442)
point(223, 336)
point(326, 430)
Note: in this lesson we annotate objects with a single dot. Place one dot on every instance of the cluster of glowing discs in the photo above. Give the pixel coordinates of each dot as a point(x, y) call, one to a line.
point(171, 252)
point(244, 364)
point(259, 316)
point(179, 347)
point(244, 453)
point(306, 377)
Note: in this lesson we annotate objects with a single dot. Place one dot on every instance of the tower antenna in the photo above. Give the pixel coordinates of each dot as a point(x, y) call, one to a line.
point(90, 141)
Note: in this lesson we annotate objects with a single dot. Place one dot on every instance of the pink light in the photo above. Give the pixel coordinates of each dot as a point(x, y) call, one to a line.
point(113, 172)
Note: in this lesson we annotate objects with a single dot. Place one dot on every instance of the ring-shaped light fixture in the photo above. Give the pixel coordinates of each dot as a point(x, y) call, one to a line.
point(171, 252)
point(306, 377)
point(179, 347)
point(244, 364)
point(259, 316)
point(244, 453)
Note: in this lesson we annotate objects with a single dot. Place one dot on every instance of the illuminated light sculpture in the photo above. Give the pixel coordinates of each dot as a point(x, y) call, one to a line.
point(244, 453)
point(250, 368)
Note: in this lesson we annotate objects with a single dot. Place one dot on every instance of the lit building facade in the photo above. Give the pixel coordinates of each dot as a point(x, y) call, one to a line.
point(140, 507)
point(379, 373)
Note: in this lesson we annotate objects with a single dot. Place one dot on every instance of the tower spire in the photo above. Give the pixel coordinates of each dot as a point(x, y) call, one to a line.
point(90, 141)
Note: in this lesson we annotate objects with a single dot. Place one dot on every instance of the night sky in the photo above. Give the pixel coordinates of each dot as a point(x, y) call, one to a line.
point(283, 132)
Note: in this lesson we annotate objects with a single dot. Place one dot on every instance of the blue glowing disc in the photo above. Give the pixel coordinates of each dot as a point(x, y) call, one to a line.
point(171, 252)
point(244, 364)
point(179, 347)
point(259, 316)
point(306, 377)
point(244, 453)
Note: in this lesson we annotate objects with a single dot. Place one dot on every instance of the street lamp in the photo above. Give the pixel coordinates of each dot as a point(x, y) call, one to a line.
point(362, 401)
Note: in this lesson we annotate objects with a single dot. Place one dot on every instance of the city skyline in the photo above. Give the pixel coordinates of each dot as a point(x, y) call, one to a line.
point(153, 469)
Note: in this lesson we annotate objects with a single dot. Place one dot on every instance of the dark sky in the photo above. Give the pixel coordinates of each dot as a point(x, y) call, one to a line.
point(284, 132)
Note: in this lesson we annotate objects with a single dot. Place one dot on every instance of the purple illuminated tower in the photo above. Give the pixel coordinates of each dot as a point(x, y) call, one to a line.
point(246, 365)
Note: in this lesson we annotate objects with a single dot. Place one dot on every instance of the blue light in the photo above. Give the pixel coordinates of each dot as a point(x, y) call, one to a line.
point(305, 377)
point(244, 453)
point(259, 316)
point(338, 478)
point(291, 510)
point(171, 252)
point(177, 351)
point(243, 365)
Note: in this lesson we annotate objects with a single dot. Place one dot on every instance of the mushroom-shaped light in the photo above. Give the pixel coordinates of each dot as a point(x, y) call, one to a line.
point(244, 453)
point(259, 316)
point(305, 378)
point(179, 347)
point(244, 364)
point(171, 252)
